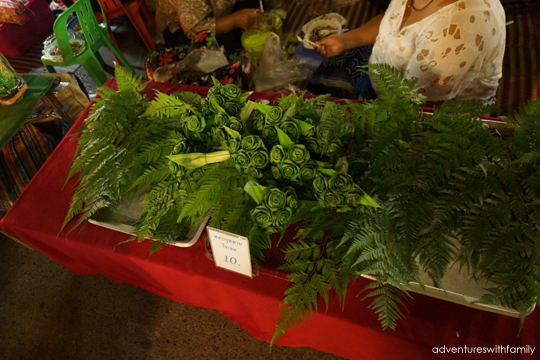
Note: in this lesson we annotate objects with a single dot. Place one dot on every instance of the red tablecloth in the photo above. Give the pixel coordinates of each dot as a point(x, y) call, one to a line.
point(188, 276)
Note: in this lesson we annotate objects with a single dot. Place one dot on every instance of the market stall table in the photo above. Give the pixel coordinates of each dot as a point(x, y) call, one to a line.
point(189, 276)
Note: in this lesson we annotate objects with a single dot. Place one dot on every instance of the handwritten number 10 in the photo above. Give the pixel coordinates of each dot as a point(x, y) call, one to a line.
point(230, 260)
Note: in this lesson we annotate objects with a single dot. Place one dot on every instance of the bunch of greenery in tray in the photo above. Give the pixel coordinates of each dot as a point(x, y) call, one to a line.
point(450, 188)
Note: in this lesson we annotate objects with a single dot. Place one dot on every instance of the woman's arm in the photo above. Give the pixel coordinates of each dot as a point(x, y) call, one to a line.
point(362, 36)
point(243, 19)
point(195, 16)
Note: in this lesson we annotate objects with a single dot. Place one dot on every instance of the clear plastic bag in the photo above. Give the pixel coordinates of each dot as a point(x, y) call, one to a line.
point(275, 71)
point(199, 60)
point(51, 50)
point(272, 53)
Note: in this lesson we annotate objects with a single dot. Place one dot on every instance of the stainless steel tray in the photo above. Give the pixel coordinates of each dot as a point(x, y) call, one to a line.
point(123, 216)
point(459, 287)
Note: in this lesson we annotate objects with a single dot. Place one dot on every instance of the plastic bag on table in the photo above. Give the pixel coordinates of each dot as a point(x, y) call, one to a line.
point(282, 75)
point(51, 50)
point(275, 71)
point(204, 56)
point(272, 53)
point(199, 61)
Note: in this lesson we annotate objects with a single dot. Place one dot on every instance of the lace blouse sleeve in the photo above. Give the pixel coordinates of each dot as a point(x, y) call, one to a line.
point(452, 51)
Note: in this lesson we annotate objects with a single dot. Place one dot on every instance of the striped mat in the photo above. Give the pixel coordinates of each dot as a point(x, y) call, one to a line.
point(31, 63)
point(20, 159)
point(521, 77)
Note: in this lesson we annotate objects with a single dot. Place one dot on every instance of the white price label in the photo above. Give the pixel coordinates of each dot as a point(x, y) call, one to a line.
point(230, 251)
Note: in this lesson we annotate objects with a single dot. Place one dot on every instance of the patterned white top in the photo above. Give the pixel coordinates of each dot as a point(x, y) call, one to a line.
point(454, 53)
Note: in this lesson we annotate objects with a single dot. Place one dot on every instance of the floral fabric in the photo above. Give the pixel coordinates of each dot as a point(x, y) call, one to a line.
point(454, 53)
point(193, 16)
point(13, 12)
point(231, 74)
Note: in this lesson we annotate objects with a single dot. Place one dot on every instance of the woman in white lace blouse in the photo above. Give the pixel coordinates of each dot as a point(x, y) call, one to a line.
point(451, 49)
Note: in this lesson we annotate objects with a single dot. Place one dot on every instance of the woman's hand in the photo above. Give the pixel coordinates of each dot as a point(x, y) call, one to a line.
point(331, 46)
point(245, 18)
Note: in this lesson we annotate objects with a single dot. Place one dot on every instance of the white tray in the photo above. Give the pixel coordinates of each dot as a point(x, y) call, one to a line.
point(123, 216)
point(458, 287)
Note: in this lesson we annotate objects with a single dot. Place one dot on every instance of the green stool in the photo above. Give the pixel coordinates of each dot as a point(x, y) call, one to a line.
point(95, 34)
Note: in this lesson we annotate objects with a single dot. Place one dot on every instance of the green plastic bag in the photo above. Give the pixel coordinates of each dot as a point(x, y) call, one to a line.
point(253, 40)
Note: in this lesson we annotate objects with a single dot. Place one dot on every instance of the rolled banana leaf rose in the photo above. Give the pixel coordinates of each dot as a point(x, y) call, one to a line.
point(308, 172)
point(334, 200)
point(255, 173)
point(220, 119)
point(277, 154)
point(230, 91)
point(298, 154)
point(270, 134)
point(292, 198)
point(291, 128)
point(218, 135)
point(325, 131)
point(259, 123)
point(214, 100)
point(341, 183)
point(263, 217)
point(182, 147)
point(236, 124)
point(283, 218)
point(274, 199)
point(260, 159)
point(234, 146)
point(274, 116)
point(314, 145)
point(333, 149)
point(216, 89)
point(198, 137)
point(290, 170)
point(176, 170)
point(276, 173)
point(320, 184)
point(353, 198)
point(242, 158)
point(252, 142)
point(232, 108)
point(195, 123)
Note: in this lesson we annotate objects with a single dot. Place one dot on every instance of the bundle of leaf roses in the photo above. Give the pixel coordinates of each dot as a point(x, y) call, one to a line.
point(293, 158)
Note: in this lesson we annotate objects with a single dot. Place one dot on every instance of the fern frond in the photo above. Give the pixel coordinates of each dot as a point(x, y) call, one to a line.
point(166, 106)
point(127, 81)
point(387, 303)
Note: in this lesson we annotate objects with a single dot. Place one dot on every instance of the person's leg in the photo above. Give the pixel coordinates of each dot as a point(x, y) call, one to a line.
point(176, 38)
point(339, 76)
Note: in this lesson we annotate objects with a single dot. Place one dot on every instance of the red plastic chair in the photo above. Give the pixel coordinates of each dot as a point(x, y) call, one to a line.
point(114, 8)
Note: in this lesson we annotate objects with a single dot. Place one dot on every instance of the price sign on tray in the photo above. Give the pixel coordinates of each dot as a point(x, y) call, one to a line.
point(230, 251)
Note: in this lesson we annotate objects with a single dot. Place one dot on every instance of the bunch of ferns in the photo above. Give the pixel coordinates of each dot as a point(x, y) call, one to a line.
point(452, 190)
point(108, 139)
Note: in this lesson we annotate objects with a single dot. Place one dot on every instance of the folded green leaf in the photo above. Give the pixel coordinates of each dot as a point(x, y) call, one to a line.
point(196, 160)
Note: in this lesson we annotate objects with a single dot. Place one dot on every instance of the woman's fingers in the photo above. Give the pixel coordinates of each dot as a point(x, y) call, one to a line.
point(247, 17)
